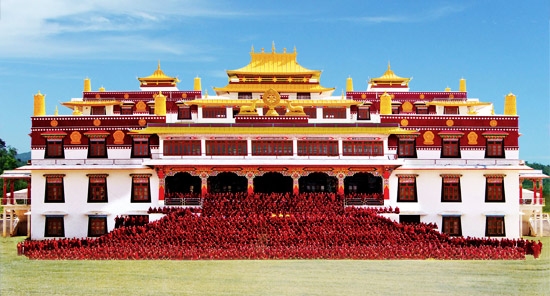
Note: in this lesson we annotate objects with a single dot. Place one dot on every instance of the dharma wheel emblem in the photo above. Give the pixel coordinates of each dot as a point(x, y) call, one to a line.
point(271, 98)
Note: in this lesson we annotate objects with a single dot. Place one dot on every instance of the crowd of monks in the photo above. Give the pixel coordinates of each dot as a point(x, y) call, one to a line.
point(275, 226)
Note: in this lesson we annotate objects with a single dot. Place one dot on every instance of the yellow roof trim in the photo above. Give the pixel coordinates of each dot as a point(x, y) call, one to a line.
point(221, 102)
point(281, 88)
point(313, 130)
point(459, 103)
point(73, 104)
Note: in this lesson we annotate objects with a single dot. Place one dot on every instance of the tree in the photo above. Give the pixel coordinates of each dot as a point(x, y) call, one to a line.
point(9, 161)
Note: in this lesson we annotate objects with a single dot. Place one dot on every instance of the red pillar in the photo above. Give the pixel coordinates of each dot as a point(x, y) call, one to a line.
point(12, 189)
point(295, 184)
point(250, 185)
point(341, 178)
point(386, 176)
point(29, 192)
point(4, 199)
point(540, 193)
point(204, 186)
point(160, 174)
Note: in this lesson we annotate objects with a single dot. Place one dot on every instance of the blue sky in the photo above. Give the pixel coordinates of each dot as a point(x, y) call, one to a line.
point(497, 46)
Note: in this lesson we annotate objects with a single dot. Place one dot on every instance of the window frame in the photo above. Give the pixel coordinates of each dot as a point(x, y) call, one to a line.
point(450, 148)
point(97, 225)
point(272, 147)
point(447, 226)
point(363, 113)
point(406, 188)
point(141, 147)
point(406, 148)
point(495, 226)
point(54, 191)
point(317, 148)
point(54, 230)
point(54, 148)
point(184, 112)
point(97, 188)
point(494, 148)
point(450, 188)
point(334, 113)
point(494, 189)
point(181, 147)
point(226, 147)
point(362, 148)
point(141, 188)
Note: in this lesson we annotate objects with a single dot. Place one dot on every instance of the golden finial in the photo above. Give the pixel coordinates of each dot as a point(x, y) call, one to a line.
point(39, 104)
point(462, 85)
point(272, 46)
point(510, 104)
point(206, 94)
point(389, 67)
point(158, 67)
point(56, 112)
point(349, 84)
point(294, 48)
point(252, 49)
point(284, 50)
point(492, 109)
point(343, 95)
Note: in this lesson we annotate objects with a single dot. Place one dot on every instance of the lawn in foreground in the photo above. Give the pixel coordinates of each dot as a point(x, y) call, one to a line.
point(21, 276)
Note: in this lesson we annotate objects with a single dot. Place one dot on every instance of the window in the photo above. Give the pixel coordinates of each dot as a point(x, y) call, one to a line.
point(334, 112)
point(450, 188)
point(244, 96)
point(140, 147)
point(317, 148)
point(97, 148)
point(184, 112)
point(97, 226)
point(363, 113)
point(363, 148)
point(182, 147)
point(226, 147)
point(126, 110)
point(406, 148)
point(272, 147)
point(141, 191)
point(311, 112)
point(421, 109)
point(406, 191)
point(495, 148)
point(452, 225)
point(303, 96)
point(214, 112)
point(395, 109)
point(54, 148)
point(494, 188)
point(98, 110)
point(97, 188)
point(54, 226)
point(450, 110)
point(450, 148)
point(494, 226)
point(54, 189)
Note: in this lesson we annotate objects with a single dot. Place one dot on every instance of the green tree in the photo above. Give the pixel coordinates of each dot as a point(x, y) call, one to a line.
point(9, 161)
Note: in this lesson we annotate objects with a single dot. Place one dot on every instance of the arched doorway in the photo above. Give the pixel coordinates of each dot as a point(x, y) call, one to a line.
point(182, 182)
point(318, 182)
point(273, 182)
point(227, 182)
point(363, 183)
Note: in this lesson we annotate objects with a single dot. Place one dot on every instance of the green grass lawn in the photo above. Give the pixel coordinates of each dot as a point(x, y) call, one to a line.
point(20, 276)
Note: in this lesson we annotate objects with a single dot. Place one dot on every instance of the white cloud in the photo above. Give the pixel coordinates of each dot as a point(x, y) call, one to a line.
point(65, 28)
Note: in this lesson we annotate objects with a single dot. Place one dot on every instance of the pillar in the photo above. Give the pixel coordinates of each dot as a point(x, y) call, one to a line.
point(541, 196)
point(341, 178)
point(11, 221)
point(161, 176)
point(4, 216)
point(12, 193)
point(204, 184)
point(4, 189)
point(295, 183)
point(250, 184)
point(386, 176)
point(29, 192)
point(28, 225)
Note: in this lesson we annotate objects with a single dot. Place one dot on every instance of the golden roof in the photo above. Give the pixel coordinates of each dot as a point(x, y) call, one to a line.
point(236, 130)
point(73, 104)
point(281, 88)
point(221, 102)
point(390, 77)
point(273, 63)
point(158, 75)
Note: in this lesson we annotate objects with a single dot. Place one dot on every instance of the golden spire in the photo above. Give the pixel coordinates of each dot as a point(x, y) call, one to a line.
point(273, 46)
point(447, 89)
point(197, 84)
point(56, 112)
point(510, 104)
point(87, 84)
point(39, 104)
point(160, 104)
point(385, 104)
point(349, 84)
point(462, 85)
point(102, 89)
